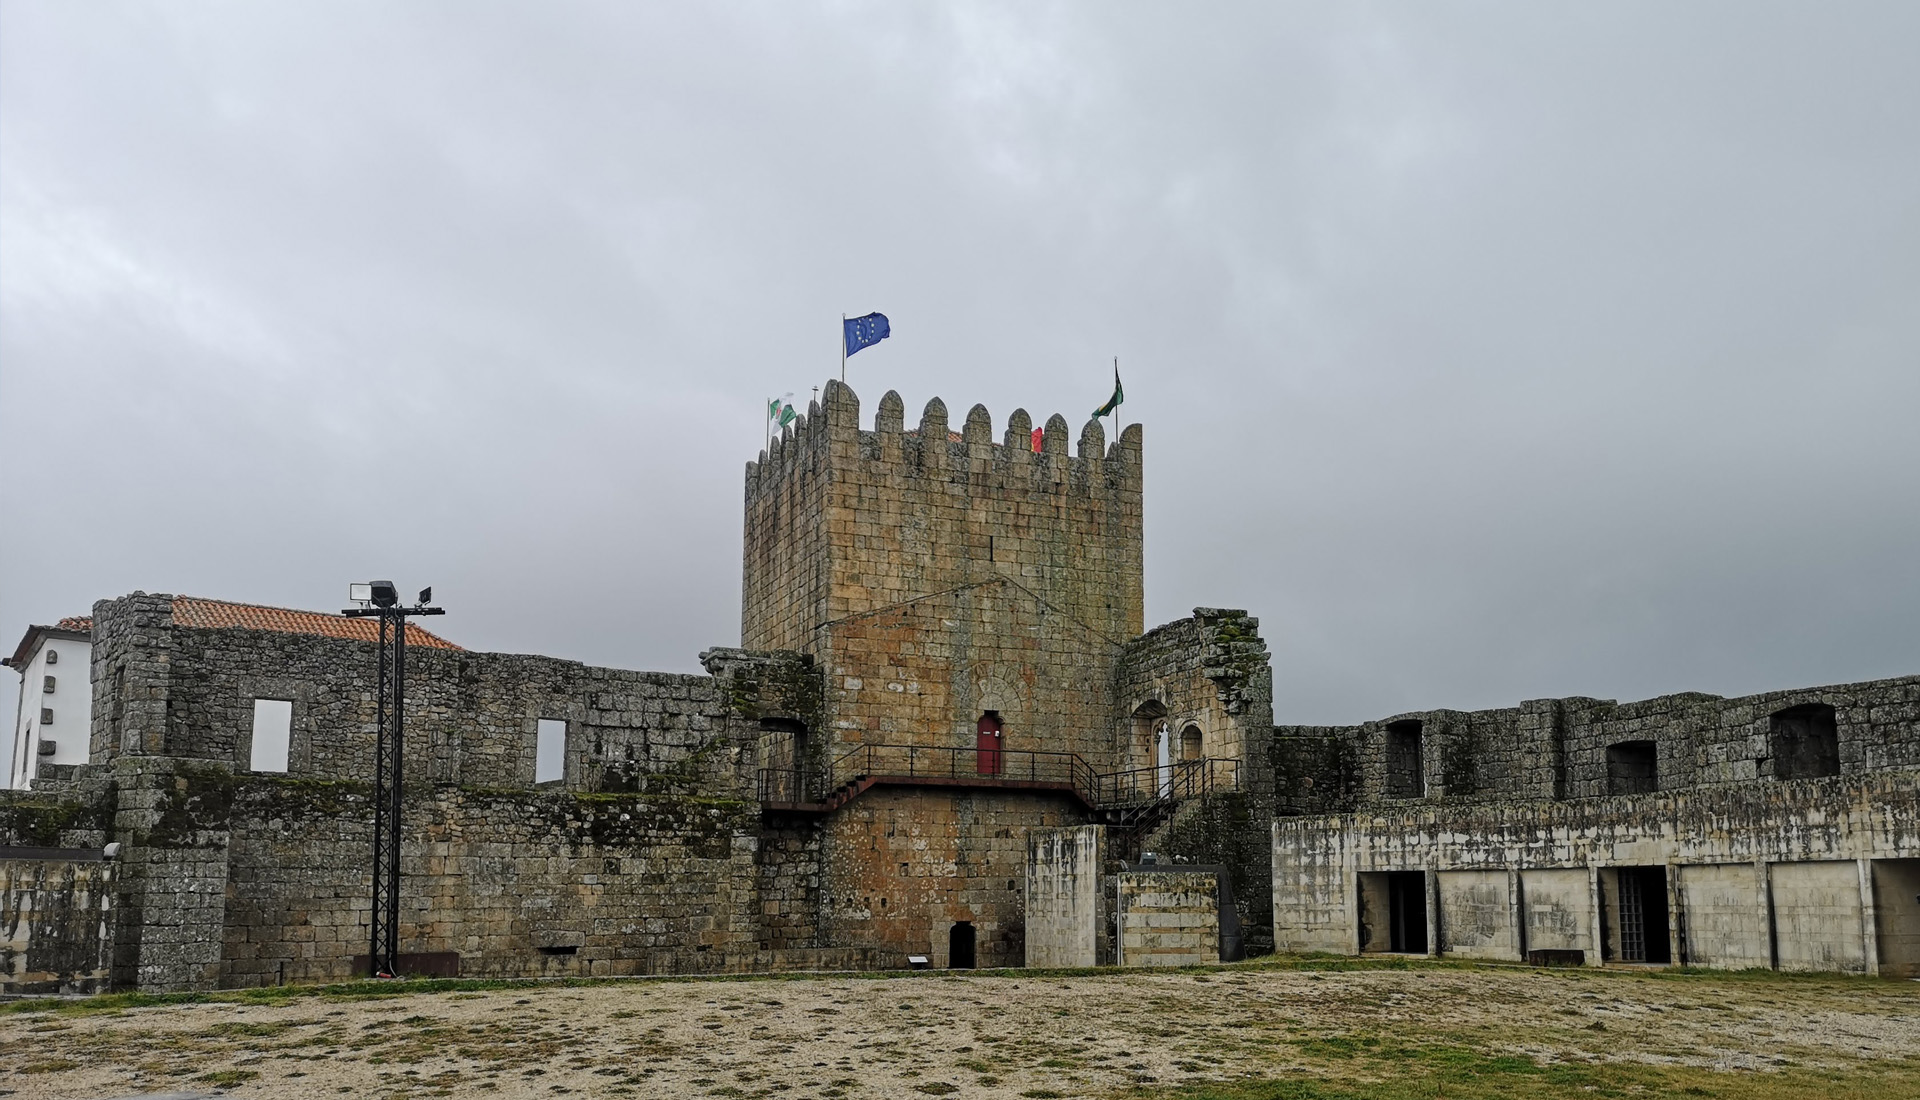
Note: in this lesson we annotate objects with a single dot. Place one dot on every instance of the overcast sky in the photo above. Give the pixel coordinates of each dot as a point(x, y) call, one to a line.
point(1484, 351)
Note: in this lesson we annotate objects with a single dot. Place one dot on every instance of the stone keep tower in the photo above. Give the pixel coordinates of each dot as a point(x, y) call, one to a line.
point(940, 576)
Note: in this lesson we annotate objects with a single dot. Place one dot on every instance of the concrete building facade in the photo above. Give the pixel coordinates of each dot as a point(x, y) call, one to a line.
point(53, 720)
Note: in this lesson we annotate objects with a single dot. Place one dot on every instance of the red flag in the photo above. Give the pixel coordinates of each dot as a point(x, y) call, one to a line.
point(1036, 440)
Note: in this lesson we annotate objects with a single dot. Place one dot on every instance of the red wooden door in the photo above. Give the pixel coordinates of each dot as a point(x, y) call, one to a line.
point(987, 744)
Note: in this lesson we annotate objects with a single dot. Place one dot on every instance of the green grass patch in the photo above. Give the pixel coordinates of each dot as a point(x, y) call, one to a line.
point(1372, 1069)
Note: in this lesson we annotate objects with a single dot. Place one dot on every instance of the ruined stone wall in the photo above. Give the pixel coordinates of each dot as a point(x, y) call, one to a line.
point(901, 866)
point(472, 718)
point(1209, 673)
point(1557, 748)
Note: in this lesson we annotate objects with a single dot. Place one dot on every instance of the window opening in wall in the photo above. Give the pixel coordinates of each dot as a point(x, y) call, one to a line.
point(53, 656)
point(960, 946)
point(1633, 767)
point(1190, 747)
point(272, 734)
point(1405, 770)
point(46, 685)
point(46, 716)
point(783, 751)
point(1805, 742)
point(1643, 915)
point(550, 751)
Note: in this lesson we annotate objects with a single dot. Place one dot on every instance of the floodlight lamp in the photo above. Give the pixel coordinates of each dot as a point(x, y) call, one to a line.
point(426, 595)
point(384, 594)
point(360, 593)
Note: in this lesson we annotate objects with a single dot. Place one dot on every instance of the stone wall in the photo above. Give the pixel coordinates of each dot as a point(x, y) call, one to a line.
point(901, 866)
point(1558, 748)
point(472, 718)
point(840, 521)
point(1167, 917)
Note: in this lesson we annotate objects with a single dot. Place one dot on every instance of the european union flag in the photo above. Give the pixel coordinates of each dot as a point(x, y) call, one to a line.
point(864, 332)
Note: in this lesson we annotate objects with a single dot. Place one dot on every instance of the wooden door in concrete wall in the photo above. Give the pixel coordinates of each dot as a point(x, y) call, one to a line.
point(987, 744)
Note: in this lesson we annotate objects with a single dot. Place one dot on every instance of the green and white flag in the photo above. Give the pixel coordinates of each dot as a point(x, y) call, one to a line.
point(779, 413)
point(1119, 395)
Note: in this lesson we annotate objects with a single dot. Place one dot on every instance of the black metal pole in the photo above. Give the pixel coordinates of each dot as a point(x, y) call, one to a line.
point(379, 959)
point(395, 783)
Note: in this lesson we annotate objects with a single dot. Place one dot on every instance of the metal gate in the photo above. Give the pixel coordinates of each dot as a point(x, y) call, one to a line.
point(1633, 918)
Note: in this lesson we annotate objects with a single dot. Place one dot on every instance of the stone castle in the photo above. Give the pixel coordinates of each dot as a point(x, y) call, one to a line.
point(946, 739)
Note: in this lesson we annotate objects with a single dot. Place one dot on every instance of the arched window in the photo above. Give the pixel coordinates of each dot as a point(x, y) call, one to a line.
point(1806, 742)
point(1190, 746)
point(1406, 773)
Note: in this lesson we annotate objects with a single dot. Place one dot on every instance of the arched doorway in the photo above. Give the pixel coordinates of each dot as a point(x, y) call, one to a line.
point(1190, 746)
point(960, 946)
point(986, 743)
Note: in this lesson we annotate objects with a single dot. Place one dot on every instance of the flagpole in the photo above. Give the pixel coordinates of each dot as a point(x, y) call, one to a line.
point(843, 349)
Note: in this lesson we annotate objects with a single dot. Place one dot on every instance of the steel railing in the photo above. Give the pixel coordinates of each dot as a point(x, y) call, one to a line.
point(1131, 787)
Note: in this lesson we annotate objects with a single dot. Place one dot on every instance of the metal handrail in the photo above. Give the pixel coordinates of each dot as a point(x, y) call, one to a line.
point(1129, 787)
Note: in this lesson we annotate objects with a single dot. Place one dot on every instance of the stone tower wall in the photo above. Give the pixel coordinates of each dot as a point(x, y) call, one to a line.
point(841, 521)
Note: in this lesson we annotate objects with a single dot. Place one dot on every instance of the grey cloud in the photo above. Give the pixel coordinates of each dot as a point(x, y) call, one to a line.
point(1486, 352)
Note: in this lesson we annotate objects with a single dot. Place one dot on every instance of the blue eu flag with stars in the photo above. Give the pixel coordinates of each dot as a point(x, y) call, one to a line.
point(864, 332)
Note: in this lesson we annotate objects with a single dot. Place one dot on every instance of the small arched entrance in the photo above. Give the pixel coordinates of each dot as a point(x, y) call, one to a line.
point(988, 760)
point(960, 946)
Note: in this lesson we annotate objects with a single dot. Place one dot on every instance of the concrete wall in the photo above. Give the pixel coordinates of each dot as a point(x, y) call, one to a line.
point(1817, 914)
point(1558, 911)
point(56, 921)
point(1806, 836)
point(1896, 896)
point(1063, 896)
point(1479, 914)
point(1723, 915)
point(1167, 918)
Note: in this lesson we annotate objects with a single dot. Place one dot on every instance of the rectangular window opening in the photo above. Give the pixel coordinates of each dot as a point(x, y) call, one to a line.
point(272, 734)
point(550, 751)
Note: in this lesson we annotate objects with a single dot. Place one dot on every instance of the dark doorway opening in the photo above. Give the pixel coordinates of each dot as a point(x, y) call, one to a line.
point(1806, 742)
point(960, 946)
point(1643, 915)
point(987, 744)
point(1633, 767)
point(1407, 912)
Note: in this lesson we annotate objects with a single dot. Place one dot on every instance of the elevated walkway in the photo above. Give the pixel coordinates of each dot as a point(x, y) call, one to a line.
point(1131, 801)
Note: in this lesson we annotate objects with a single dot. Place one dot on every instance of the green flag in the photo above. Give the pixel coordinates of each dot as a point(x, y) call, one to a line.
point(1119, 395)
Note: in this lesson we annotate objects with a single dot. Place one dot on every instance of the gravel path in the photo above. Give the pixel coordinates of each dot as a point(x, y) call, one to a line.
point(980, 1035)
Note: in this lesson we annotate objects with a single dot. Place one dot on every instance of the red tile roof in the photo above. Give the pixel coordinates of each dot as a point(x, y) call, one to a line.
point(193, 611)
point(83, 623)
point(73, 624)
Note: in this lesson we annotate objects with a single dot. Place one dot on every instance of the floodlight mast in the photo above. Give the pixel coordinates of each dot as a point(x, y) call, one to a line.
point(383, 954)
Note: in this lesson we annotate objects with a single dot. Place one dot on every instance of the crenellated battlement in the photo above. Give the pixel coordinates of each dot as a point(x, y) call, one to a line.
point(1095, 466)
point(842, 520)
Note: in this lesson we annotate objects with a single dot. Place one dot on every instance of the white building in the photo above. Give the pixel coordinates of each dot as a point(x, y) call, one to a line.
point(55, 718)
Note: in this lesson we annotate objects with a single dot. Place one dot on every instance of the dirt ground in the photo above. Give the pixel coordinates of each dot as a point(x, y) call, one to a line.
point(941, 1034)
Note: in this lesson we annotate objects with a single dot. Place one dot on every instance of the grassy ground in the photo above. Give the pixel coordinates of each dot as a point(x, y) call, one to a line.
point(1283, 1029)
